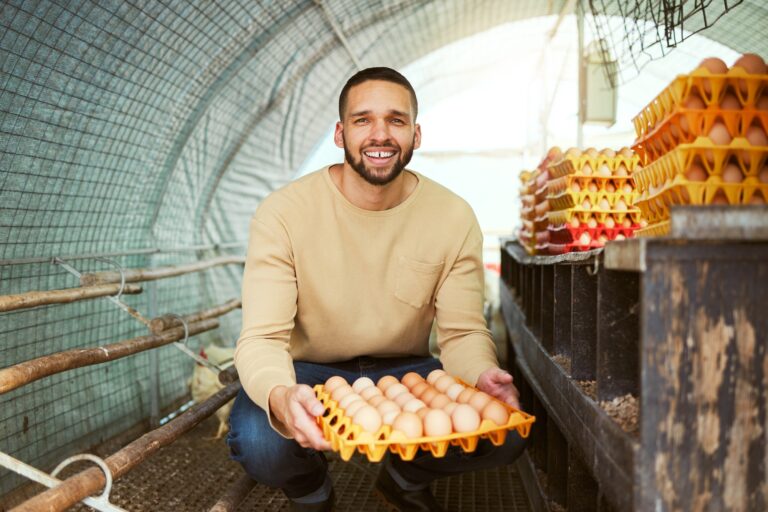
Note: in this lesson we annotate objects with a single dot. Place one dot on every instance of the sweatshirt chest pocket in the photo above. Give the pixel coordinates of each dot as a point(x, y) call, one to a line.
point(416, 281)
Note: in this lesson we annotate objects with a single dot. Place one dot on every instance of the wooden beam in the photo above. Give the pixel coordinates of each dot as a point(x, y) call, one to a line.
point(228, 376)
point(92, 480)
point(135, 275)
point(235, 495)
point(42, 298)
point(162, 323)
point(23, 373)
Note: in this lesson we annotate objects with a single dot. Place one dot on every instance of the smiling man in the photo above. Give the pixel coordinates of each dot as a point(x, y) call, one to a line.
point(347, 268)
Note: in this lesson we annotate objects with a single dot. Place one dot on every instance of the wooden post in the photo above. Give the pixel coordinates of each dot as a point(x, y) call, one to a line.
point(547, 307)
point(561, 334)
point(43, 298)
point(235, 495)
point(162, 323)
point(583, 323)
point(144, 274)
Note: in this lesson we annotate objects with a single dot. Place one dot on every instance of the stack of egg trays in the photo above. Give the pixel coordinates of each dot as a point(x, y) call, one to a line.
point(566, 204)
point(666, 177)
point(541, 221)
point(347, 437)
point(710, 87)
point(527, 235)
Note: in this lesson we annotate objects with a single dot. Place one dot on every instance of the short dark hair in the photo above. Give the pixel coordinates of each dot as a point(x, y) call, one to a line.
point(380, 73)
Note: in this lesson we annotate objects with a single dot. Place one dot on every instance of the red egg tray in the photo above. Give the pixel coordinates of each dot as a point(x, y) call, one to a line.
point(347, 437)
point(564, 235)
point(564, 216)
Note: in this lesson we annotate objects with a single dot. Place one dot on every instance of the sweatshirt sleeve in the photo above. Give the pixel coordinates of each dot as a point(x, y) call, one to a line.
point(466, 346)
point(269, 297)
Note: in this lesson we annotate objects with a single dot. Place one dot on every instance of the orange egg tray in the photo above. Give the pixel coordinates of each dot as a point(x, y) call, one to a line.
point(680, 191)
point(710, 87)
point(558, 185)
point(698, 123)
point(574, 164)
point(569, 199)
point(712, 158)
point(558, 217)
point(347, 437)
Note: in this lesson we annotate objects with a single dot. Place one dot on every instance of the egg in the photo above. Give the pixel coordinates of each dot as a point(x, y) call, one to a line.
point(696, 173)
point(421, 413)
point(419, 388)
point(348, 399)
point(575, 187)
point(586, 205)
point(414, 405)
point(394, 390)
point(627, 188)
point(621, 170)
point(409, 424)
point(575, 222)
point(720, 198)
point(444, 383)
point(410, 379)
point(437, 423)
point(604, 170)
point(428, 394)
point(464, 396)
point(591, 152)
point(334, 382)
point(730, 102)
point(495, 412)
point(603, 204)
point(361, 384)
point(592, 186)
point(573, 152)
point(592, 222)
point(752, 64)
point(586, 170)
point(465, 418)
point(756, 199)
point(370, 392)
point(609, 222)
point(434, 375)
point(610, 187)
point(585, 239)
point(389, 417)
point(694, 102)
point(620, 237)
point(719, 135)
point(368, 418)
point(385, 382)
point(626, 223)
point(454, 390)
point(439, 401)
point(762, 102)
point(341, 391)
point(762, 177)
point(608, 152)
point(756, 136)
point(352, 408)
point(716, 67)
point(480, 400)
point(403, 398)
point(732, 174)
point(620, 205)
point(387, 405)
point(450, 407)
point(377, 400)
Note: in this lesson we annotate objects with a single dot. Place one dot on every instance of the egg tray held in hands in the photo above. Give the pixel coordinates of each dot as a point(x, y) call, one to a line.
point(710, 87)
point(684, 126)
point(711, 157)
point(347, 437)
point(680, 191)
point(569, 199)
point(574, 164)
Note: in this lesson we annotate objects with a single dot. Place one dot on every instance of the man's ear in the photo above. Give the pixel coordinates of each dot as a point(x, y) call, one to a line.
point(338, 135)
point(417, 137)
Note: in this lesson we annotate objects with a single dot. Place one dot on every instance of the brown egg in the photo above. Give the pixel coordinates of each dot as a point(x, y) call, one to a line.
point(730, 102)
point(756, 199)
point(763, 176)
point(428, 394)
point(465, 395)
point(720, 199)
point(385, 382)
point(719, 135)
point(592, 186)
point(454, 390)
point(575, 187)
point(610, 187)
point(409, 424)
point(437, 423)
point(444, 383)
point(495, 412)
point(394, 390)
point(388, 417)
point(696, 173)
point(352, 408)
point(368, 418)
point(439, 401)
point(751, 63)
point(410, 379)
point(414, 405)
point(480, 400)
point(370, 392)
point(434, 375)
point(465, 418)
point(334, 382)
point(714, 65)
point(694, 102)
point(348, 399)
point(732, 174)
point(626, 223)
point(386, 406)
point(419, 388)
point(403, 398)
point(376, 400)
point(361, 384)
point(341, 391)
point(756, 136)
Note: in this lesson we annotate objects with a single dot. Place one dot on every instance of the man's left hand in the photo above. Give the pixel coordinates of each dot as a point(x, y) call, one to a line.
point(498, 383)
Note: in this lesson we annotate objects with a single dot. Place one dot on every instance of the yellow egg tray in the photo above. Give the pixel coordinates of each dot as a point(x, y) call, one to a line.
point(680, 191)
point(570, 199)
point(564, 216)
point(558, 185)
point(710, 87)
point(660, 228)
point(525, 176)
point(574, 164)
point(711, 157)
point(671, 132)
point(347, 437)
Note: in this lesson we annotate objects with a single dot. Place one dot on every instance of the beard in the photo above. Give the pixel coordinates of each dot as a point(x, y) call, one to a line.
point(368, 173)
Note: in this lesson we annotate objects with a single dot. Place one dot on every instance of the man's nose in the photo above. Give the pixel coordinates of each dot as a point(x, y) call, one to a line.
point(380, 131)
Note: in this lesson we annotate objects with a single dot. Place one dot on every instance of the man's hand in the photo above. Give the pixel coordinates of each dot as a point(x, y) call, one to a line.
point(296, 407)
point(498, 383)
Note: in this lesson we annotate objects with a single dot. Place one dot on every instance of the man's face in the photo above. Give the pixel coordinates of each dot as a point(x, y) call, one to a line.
point(378, 132)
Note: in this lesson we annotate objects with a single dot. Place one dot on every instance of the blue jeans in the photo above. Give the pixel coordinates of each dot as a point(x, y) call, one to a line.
point(275, 461)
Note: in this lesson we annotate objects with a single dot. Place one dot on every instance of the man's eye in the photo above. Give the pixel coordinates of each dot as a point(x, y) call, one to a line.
point(361, 121)
point(398, 121)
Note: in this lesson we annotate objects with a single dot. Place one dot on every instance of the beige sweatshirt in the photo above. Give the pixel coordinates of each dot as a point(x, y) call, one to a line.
point(327, 281)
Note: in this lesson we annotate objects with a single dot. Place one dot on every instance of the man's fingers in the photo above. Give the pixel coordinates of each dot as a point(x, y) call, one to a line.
point(312, 433)
point(310, 402)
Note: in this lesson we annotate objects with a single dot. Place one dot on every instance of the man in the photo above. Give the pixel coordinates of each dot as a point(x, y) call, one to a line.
point(346, 270)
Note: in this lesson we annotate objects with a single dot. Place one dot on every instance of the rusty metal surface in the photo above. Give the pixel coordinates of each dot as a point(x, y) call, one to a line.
point(194, 472)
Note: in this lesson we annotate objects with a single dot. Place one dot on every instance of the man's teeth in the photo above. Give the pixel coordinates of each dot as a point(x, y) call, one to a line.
point(379, 154)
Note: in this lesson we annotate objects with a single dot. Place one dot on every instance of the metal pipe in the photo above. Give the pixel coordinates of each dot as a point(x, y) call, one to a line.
point(339, 34)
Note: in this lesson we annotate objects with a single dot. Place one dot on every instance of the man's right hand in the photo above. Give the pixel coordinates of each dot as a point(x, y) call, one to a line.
point(296, 407)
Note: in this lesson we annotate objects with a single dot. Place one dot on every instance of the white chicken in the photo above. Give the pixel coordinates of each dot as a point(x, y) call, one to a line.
point(205, 382)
